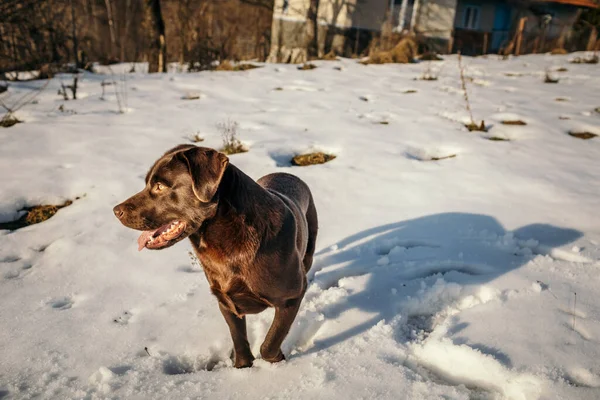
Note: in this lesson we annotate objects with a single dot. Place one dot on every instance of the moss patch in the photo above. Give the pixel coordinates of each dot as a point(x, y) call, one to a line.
point(303, 160)
point(34, 215)
point(514, 122)
point(582, 135)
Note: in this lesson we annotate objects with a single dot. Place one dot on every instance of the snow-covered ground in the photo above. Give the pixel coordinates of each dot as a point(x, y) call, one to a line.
point(449, 279)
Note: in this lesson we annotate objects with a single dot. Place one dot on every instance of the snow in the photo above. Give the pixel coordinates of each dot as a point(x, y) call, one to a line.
point(475, 276)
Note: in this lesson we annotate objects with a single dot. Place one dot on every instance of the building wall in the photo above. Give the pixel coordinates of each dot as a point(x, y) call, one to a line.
point(486, 18)
point(435, 18)
point(289, 33)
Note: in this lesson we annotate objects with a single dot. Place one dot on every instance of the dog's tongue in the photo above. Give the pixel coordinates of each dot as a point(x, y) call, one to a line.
point(144, 238)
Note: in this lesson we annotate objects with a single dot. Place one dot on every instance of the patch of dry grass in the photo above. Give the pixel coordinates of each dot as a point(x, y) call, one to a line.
point(307, 67)
point(513, 122)
point(229, 66)
point(331, 56)
point(9, 120)
point(35, 215)
point(561, 99)
point(559, 51)
point(498, 139)
point(443, 158)
point(473, 127)
point(403, 53)
point(316, 158)
point(409, 91)
point(582, 135)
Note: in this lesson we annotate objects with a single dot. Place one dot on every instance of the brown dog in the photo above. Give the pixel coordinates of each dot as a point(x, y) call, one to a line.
point(255, 240)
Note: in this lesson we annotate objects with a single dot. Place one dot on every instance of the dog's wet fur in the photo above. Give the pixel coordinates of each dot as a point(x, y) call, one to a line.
point(255, 240)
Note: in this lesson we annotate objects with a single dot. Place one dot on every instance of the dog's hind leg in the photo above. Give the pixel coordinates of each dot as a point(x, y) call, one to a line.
point(243, 357)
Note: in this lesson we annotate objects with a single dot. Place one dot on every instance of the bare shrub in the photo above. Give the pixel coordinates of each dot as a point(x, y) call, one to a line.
point(119, 85)
point(9, 119)
point(471, 126)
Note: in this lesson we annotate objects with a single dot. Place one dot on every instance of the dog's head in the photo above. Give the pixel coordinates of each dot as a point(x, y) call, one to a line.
point(180, 194)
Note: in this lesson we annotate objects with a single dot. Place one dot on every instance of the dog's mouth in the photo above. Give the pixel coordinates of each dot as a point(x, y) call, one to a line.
point(161, 237)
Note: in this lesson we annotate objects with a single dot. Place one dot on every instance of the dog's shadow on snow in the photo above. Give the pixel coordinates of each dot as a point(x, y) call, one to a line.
point(395, 259)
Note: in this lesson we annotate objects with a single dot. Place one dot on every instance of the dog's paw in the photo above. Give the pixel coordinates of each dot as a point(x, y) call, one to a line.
point(271, 356)
point(243, 360)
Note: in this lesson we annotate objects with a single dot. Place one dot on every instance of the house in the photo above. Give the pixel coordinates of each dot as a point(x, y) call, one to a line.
point(472, 26)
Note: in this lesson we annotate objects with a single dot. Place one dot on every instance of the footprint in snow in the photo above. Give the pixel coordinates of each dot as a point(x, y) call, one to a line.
point(124, 318)
point(61, 303)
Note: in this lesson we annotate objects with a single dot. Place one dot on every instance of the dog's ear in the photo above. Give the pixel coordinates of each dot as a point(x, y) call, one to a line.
point(206, 167)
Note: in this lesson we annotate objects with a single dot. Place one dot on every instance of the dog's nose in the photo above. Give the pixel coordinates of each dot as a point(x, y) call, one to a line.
point(119, 211)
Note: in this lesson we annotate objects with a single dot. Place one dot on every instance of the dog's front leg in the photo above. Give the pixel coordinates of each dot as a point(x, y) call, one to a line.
point(270, 350)
point(243, 357)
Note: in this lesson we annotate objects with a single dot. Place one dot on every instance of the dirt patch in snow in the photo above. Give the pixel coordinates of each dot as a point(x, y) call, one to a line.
point(35, 215)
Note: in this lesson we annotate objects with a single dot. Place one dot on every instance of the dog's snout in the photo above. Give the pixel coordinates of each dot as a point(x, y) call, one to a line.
point(119, 211)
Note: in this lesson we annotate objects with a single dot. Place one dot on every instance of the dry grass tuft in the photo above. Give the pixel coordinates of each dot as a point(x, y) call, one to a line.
point(473, 127)
point(316, 158)
point(197, 138)
point(498, 139)
point(403, 53)
point(443, 158)
point(35, 215)
point(562, 69)
point(229, 134)
point(331, 56)
point(559, 51)
point(409, 91)
point(245, 67)
point(561, 99)
point(307, 67)
point(582, 135)
point(9, 120)
point(514, 122)
point(225, 65)
point(597, 109)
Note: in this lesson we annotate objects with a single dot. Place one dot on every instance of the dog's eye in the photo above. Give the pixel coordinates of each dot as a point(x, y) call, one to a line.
point(159, 187)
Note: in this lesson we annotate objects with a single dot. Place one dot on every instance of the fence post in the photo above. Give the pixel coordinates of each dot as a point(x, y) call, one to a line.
point(485, 42)
point(520, 35)
point(591, 44)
